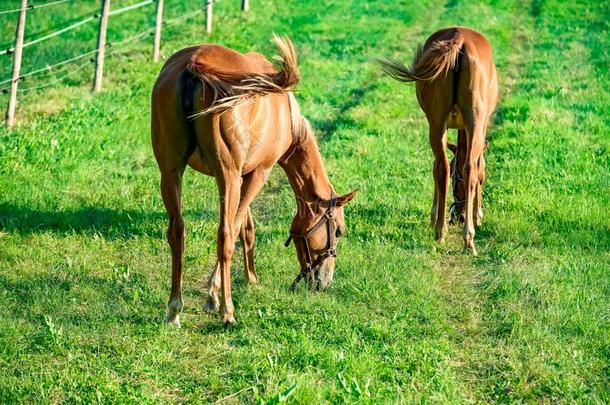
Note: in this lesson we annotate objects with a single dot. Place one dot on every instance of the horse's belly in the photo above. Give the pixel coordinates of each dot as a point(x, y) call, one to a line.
point(455, 119)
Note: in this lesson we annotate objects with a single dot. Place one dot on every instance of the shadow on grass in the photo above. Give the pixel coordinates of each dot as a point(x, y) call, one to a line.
point(89, 220)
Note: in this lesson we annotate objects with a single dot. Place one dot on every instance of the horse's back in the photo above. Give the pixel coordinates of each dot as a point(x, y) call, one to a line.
point(228, 63)
point(214, 59)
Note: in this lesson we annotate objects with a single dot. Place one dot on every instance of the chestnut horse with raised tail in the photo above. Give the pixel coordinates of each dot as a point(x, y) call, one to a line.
point(233, 116)
point(457, 87)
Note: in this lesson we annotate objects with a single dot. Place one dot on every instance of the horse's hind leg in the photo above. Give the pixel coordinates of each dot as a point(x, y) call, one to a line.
point(476, 139)
point(172, 152)
point(170, 191)
point(438, 142)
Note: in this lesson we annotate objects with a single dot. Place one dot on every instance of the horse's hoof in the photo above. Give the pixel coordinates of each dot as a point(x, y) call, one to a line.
point(174, 308)
point(229, 320)
point(470, 250)
point(173, 320)
point(441, 234)
point(252, 280)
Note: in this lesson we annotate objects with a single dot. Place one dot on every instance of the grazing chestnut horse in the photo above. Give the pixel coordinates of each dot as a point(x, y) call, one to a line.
point(457, 87)
point(232, 116)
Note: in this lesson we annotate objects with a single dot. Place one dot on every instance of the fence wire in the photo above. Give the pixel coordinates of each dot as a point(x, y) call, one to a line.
point(77, 24)
point(34, 6)
point(113, 49)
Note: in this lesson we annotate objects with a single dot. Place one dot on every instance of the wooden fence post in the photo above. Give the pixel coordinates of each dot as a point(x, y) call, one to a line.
point(12, 101)
point(158, 23)
point(208, 15)
point(245, 5)
point(101, 47)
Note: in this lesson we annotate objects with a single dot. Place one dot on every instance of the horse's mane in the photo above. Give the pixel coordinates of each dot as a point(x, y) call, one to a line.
point(231, 89)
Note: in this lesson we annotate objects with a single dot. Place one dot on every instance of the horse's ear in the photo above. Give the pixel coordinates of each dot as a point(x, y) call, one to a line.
point(344, 199)
point(452, 147)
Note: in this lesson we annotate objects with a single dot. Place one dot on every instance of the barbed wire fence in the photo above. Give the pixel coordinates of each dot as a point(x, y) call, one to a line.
point(102, 50)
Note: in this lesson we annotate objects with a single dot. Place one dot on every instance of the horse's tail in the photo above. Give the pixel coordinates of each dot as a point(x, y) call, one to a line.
point(230, 91)
point(288, 76)
point(429, 64)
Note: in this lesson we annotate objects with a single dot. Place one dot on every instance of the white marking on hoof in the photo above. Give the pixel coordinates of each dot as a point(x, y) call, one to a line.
point(174, 308)
point(174, 321)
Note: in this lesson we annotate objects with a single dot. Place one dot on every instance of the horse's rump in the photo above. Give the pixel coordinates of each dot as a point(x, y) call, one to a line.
point(234, 78)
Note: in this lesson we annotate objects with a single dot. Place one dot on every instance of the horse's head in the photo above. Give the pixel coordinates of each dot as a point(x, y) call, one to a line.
point(316, 232)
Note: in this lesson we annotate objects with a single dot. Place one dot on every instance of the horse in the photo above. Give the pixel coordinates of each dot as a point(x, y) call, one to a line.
point(233, 116)
point(457, 87)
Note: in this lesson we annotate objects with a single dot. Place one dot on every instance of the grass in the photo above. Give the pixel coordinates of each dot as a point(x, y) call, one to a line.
point(84, 268)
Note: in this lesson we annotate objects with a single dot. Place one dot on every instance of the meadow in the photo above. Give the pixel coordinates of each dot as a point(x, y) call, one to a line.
point(85, 268)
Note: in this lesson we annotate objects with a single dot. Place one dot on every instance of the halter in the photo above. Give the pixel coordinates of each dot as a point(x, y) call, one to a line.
point(330, 250)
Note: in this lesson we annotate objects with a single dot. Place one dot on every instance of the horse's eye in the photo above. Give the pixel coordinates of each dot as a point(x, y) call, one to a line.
point(338, 233)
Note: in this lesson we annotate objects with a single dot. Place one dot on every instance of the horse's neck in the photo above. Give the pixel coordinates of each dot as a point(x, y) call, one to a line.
point(307, 175)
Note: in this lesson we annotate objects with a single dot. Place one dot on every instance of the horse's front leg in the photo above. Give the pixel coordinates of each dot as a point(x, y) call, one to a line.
point(235, 202)
point(246, 235)
point(250, 187)
point(228, 187)
point(434, 209)
point(213, 285)
point(478, 215)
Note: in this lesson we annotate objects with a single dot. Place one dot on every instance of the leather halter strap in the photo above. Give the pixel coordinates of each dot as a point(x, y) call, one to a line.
point(330, 250)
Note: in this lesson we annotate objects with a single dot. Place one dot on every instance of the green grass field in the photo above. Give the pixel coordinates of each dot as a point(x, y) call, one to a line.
point(85, 269)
